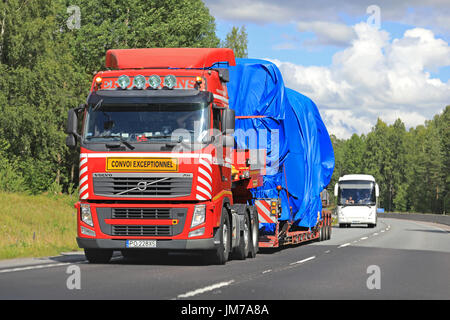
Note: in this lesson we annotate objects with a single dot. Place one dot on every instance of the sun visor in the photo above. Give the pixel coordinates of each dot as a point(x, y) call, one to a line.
point(163, 58)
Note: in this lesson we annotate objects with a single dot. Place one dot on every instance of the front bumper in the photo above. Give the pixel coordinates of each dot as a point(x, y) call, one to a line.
point(357, 220)
point(194, 244)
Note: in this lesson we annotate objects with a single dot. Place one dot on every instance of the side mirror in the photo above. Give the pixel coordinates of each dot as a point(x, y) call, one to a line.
point(72, 128)
point(336, 187)
point(228, 120)
point(72, 122)
point(71, 142)
point(377, 190)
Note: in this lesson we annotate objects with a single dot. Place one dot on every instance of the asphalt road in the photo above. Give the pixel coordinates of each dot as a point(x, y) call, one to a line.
point(399, 259)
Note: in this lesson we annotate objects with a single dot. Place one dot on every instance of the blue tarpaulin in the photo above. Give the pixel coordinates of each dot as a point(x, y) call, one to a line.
point(288, 125)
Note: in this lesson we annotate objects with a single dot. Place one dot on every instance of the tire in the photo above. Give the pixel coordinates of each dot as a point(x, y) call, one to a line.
point(322, 232)
point(325, 232)
point(222, 253)
point(98, 255)
point(254, 235)
point(241, 252)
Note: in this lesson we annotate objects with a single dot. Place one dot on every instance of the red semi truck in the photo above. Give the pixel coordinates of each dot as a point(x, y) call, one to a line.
point(157, 168)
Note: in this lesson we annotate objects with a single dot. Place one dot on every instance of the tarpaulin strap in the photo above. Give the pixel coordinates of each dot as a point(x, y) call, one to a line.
point(250, 117)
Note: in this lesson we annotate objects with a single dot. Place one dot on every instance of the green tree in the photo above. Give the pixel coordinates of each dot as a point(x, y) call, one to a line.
point(354, 150)
point(46, 68)
point(444, 133)
point(118, 24)
point(237, 40)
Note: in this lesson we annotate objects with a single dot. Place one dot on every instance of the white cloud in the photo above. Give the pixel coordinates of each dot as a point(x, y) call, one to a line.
point(434, 14)
point(376, 77)
point(327, 33)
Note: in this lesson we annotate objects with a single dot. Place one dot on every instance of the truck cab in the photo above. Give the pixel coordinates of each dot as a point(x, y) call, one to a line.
point(155, 167)
point(357, 200)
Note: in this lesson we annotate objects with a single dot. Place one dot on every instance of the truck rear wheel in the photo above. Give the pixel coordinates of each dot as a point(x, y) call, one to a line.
point(222, 253)
point(254, 235)
point(98, 255)
point(241, 252)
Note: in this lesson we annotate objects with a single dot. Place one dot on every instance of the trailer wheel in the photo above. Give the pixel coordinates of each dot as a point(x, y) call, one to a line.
point(254, 236)
point(241, 252)
point(322, 232)
point(330, 228)
point(222, 253)
point(98, 255)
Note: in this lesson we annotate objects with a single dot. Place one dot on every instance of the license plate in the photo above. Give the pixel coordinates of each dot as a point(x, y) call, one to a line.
point(141, 244)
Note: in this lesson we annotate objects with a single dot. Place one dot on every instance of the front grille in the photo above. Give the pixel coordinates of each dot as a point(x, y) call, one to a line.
point(137, 231)
point(129, 185)
point(141, 213)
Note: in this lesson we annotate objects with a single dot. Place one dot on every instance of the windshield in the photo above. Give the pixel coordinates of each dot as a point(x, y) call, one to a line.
point(187, 122)
point(356, 193)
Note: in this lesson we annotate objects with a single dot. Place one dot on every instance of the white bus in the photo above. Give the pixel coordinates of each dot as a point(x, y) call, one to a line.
point(357, 200)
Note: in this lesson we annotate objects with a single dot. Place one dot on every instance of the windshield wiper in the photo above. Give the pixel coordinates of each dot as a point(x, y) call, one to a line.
point(159, 137)
point(110, 145)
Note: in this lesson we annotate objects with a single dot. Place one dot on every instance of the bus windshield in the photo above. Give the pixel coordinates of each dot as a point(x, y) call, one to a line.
point(356, 193)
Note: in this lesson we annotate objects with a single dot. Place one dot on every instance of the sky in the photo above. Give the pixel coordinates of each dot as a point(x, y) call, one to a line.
point(357, 60)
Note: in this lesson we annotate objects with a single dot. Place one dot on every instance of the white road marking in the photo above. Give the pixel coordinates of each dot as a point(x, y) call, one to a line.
point(267, 271)
point(364, 238)
point(41, 266)
point(302, 261)
point(205, 289)
point(344, 245)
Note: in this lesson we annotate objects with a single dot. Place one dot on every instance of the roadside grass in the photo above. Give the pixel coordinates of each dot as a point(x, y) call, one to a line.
point(36, 225)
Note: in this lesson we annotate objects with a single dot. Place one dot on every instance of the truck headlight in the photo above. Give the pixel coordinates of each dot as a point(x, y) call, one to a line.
point(85, 213)
point(199, 215)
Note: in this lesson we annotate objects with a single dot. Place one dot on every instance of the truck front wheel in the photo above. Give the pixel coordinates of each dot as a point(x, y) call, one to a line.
point(222, 253)
point(98, 255)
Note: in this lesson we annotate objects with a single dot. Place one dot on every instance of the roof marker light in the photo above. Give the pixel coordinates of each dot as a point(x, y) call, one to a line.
point(170, 81)
point(139, 82)
point(154, 81)
point(123, 81)
point(98, 80)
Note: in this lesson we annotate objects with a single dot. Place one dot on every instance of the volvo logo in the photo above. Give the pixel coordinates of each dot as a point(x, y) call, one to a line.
point(142, 186)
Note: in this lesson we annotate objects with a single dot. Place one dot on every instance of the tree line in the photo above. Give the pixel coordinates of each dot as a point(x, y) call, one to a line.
point(50, 49)
point(412, 167)
point(49, 52)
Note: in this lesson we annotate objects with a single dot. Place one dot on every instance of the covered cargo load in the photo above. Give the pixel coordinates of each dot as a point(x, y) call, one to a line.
point(288, 125)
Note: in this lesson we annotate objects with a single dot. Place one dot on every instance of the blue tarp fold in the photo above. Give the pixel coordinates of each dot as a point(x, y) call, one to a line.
point(300, 156)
